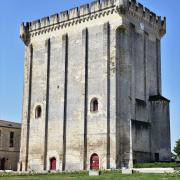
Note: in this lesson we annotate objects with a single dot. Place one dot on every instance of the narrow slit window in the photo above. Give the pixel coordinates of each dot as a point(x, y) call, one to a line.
point(11, 140)
point(38, 112)
point(94, 105)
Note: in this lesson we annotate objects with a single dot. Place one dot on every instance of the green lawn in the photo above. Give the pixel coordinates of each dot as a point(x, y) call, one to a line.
point(104, 176)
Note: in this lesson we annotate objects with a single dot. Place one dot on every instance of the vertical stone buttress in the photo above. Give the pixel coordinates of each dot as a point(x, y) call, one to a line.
point(146, 37)
point(112, 94)
point(106, 54)
point(85, 38)
point(65, 59)
point(158, 59)
point(24, 149)
point(132, 55)
point(132, 86)
point(123, 100)
point(48, 50)
point(29, 105)
point(145, 65)
point(146, 89)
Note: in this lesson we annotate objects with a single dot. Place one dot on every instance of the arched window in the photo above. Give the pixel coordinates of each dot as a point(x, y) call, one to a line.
point(38, 112)
point(94, 105)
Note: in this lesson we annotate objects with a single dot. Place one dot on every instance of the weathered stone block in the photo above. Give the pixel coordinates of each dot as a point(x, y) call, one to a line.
point(94, 173)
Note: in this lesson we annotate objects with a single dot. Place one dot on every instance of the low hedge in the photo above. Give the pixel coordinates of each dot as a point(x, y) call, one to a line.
point(157, 165)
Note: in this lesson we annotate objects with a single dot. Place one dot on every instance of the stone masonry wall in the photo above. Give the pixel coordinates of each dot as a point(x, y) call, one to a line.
point(107, 51)
point(73, 144)
point(160, 140)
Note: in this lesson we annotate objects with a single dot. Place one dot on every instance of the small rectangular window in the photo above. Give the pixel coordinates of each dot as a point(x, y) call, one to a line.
point(11, 140)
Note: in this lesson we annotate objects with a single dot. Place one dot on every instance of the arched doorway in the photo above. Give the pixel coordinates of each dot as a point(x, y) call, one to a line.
point(53, 164)
point(94, 162)
point(3, 161)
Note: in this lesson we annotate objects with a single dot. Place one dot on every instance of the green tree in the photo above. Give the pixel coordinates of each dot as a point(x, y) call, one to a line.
point(173, 156)
point(177, 148)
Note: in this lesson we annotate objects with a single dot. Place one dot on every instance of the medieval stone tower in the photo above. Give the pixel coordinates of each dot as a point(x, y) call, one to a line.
point(92, 89)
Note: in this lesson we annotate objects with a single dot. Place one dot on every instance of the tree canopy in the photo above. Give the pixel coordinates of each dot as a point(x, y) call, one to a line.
point(177, 148)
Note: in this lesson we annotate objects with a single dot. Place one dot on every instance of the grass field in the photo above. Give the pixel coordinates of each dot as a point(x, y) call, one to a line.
point(103, 176)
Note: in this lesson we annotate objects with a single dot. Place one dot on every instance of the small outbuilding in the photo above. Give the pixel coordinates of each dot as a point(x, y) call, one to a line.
point(10, 134)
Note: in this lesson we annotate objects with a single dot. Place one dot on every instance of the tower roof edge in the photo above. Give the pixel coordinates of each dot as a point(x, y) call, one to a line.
point(95, 7)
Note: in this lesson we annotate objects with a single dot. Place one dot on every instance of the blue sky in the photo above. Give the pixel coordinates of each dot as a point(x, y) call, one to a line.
point(13, 12)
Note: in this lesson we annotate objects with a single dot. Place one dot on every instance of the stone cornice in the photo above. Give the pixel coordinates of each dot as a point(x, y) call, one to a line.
point(70, 22)
point(88, 12)
point(157, 98)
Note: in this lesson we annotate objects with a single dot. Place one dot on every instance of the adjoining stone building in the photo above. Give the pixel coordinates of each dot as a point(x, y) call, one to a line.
point(92, 89)
point(10, 134)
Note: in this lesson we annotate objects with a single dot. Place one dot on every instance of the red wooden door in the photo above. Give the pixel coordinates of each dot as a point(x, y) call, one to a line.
point(53, 164)
point(94, 162)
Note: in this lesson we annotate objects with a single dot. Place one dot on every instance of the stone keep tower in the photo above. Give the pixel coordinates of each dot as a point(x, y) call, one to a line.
point(92, 89)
